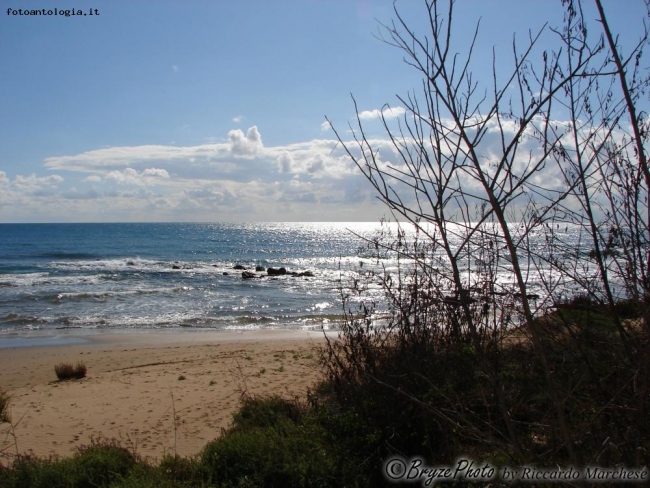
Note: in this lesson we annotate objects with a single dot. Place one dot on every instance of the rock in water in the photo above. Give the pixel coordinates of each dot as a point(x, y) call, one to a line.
point(276, 271)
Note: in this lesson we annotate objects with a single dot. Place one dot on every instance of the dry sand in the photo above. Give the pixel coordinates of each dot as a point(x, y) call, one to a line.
point(133, 390)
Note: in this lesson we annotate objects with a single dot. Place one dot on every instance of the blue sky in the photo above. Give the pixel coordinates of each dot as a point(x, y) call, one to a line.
point(211, 110)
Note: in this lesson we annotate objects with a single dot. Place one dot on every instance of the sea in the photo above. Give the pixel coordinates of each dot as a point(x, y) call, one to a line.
point(189, 276)
point(137, 276)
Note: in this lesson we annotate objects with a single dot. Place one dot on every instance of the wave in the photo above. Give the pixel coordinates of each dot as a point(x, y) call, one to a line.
point(71, 296)
point(182, 319)
point(44, 278)
point(18, 319)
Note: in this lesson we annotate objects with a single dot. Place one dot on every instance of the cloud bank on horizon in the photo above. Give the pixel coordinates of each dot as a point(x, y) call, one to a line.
point(237, 179)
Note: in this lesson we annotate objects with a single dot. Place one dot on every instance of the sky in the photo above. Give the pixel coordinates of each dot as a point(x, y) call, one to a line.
point(215, 110)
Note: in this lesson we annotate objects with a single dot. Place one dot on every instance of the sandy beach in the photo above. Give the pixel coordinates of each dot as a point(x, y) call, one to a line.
point(159, 393)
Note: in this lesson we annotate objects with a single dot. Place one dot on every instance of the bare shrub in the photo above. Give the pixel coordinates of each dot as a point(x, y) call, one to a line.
point(562, 202)
point(4, 407)
point(66, 371)
point(80, 371)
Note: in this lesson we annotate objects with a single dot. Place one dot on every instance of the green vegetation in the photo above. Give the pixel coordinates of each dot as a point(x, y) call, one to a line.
point(272, 442)
point(66, 371)
point(101, 463)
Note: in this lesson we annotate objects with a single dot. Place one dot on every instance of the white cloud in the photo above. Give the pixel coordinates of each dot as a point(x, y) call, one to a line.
point(115, 157)
point(245, 146)
point(155, 172)
point(386, 113)
point(285, 162)
point(317, 164)
point(325, 126)
point(237, 119)
point(219, 156)
point(129, 176)
point(234, 178)
point(34, 182)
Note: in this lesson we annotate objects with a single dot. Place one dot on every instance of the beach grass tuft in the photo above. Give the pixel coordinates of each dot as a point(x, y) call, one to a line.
point(4, 407)
point(66, 371)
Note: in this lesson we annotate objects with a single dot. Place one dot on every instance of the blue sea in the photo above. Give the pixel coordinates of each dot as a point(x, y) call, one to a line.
point(174, 275)
point(183, 276)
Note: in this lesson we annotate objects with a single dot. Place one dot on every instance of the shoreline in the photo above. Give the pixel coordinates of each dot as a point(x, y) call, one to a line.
point(157, 392)
point(79, 336)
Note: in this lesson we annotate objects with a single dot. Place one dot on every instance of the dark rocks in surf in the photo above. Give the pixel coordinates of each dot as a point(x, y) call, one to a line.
point(248, 275)
point(305, 274)
point(260, 269)
point(239, 266)
point(276, 271)
point(283, 271)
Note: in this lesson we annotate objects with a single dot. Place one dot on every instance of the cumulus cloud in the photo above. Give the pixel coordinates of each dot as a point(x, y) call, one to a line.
point(30, 182)
point(317, 164)
point(155, 172)
point(285, 162)
point(325, 126)
point(219, 156)
point(245, 146)
point(386, 113)
point(129, 176)
point(34, 182)
point(237, 119)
